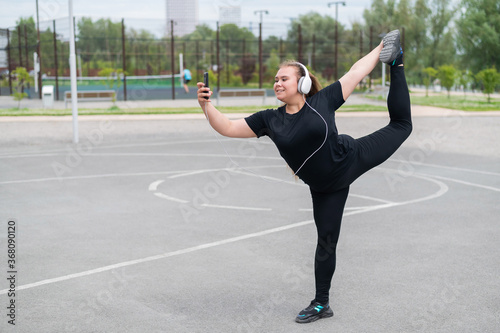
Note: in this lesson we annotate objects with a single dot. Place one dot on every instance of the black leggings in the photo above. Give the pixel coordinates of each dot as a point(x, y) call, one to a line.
point(371, 151)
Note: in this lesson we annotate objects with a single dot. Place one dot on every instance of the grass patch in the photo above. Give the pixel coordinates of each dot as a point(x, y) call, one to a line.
point(455, 102)
point(362, 108)
point(115, 110)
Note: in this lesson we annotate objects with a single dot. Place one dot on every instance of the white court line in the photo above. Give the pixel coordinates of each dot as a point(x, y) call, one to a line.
point(89, 177)
point(33, 155)
point(154, 185)
point(237, 207)
point(350, 208)
point(447, 167)
point(234, 170)
point(157, 257)
point(442, 190)
point(38, 153)
point(496, 189)
point(279, 180)
point(35, 180)
point(371, 198)
point(164, 196)
point(197, 172)
point(182, 155)
point(145, 155)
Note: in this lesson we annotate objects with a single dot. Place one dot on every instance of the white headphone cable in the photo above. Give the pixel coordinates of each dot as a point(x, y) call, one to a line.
point(260, 176)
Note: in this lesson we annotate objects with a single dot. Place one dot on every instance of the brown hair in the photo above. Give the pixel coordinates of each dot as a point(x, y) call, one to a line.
point(315, 87)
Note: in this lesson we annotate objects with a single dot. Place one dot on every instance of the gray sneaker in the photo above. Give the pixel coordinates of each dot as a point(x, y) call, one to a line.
point(392, 47)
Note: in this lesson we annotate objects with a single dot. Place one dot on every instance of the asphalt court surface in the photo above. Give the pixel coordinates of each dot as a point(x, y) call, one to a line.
point(147, 226)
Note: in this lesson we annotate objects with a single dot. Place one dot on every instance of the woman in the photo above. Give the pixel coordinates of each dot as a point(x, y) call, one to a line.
point(305, 134)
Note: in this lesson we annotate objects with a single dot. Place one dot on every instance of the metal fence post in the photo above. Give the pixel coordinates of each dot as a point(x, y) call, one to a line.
point(9, 62)
point(197, 61)
point(26, 49)
point(218, 58)
point(314, 53)
point(227, 61)
point(55, 61)
point(39, 54)
point(371, 48)
point(300, 43)
point(172, 53)
point(261, 66)
point(19, 48)
point(124, 62)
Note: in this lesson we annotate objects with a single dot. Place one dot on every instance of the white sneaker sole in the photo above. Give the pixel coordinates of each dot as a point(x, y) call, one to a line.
point(391, 47)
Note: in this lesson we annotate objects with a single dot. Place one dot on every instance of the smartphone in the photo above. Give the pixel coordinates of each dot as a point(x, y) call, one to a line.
point(205, 81)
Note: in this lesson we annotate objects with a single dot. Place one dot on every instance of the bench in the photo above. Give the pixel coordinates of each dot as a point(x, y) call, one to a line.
point(224, 93)
point(90, 95)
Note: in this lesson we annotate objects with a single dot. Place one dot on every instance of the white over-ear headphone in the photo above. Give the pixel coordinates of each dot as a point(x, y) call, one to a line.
point(305, 82)
point(303, 87)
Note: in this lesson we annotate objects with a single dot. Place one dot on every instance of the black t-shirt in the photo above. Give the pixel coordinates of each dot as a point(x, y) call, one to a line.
point(298, 135)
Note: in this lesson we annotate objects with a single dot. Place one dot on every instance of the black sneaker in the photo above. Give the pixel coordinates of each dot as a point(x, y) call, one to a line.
point(392, 47)
point(314, 312)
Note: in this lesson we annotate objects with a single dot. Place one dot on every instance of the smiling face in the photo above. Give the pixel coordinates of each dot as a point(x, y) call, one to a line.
point(285, 84)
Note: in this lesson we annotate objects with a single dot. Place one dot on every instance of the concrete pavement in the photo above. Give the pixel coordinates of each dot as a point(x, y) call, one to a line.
point(147, 226)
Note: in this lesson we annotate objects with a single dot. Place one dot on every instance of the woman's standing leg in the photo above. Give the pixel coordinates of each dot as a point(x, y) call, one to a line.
point(328, 209)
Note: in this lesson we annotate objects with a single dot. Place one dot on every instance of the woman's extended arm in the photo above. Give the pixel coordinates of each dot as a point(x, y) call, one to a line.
point(359, 70)
point(230, 128)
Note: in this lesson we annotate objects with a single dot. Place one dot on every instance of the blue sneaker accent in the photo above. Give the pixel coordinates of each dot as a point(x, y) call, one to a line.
point(314, 312)
point(400, 53)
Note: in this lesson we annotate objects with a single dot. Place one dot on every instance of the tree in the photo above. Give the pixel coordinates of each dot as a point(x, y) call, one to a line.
point(447, 74)
point(416, 37)
point(323, 27)
point(272, 65)
point(478, 34)
point(380, 16)
point(464, 78)
point(231, 39)
point(490, 79)
point(441, 49)
point(112, 76)
point(22, 78)
point(141, 49)
point(102, 34)
point(100, 43)
point(430, 73)
point(31, 39)
point(198, 47)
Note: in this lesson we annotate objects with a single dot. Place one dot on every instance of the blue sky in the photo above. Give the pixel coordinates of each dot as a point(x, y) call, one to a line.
point(151, 14)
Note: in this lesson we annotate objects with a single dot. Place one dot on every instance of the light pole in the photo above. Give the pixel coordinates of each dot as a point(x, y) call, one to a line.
point(72, 70)
point(261, 12)
point(383, 68)
point(260, 45)
point(38, 81)
point(336, 3)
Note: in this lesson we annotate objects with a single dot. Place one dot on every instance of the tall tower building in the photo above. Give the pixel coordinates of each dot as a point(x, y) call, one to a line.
point(184, 13)
point(230, 14)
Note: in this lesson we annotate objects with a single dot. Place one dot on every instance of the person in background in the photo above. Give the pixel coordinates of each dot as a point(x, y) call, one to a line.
point(187, 78)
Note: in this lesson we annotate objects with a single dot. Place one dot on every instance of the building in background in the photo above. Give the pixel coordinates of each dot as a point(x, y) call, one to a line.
point(230, 14)
point(184, 13)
